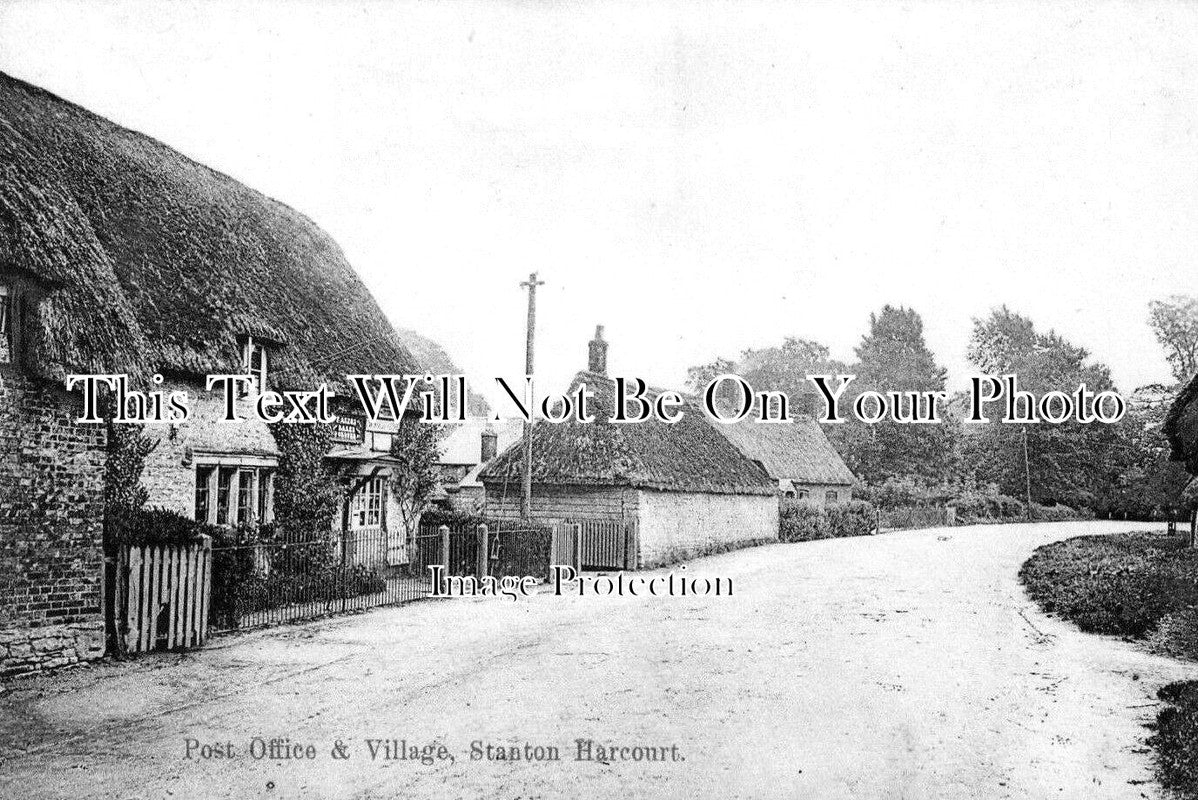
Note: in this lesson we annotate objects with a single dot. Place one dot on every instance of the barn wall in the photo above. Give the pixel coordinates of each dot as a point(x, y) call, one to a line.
point(563, 502)
point(674, 526)
point(51, 528)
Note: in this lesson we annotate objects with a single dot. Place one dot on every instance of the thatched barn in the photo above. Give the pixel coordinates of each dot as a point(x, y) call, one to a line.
point(683, 487)
point(797, 456)
point(121, 255)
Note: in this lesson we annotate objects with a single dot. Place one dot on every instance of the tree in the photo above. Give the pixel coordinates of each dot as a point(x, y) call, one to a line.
point(698, 378)
point(1072, 463)
point(894, 356)
point(1175, 323)
point(777, 369)
point(416, 445)
point(1150, 485)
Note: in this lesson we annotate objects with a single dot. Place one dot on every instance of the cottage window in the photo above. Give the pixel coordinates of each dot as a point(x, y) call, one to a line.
point(366, 506)
point(804, 494)
point(233, 495)
point(202, 495)
point(253, 363)
point(831, 497)
point(8, 310)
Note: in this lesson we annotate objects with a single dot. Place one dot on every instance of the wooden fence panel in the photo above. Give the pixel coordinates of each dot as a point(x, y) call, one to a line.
point(605, 544)
point(163, 594)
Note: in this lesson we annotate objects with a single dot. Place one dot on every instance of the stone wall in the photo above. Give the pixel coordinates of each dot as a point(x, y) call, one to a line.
point(169, 473)
point(675, 526)
point(51, 528)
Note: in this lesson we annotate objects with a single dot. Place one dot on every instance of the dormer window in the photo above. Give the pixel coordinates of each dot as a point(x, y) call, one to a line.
point(8, 325)
point(253, 363)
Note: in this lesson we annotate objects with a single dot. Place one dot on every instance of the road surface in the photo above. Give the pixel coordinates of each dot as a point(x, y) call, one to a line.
point(907, 665)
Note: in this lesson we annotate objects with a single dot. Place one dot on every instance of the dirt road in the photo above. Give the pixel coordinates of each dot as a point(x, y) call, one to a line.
point(903, 665)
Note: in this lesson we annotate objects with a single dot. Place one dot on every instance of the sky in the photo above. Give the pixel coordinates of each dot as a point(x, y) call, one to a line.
point(700, 178)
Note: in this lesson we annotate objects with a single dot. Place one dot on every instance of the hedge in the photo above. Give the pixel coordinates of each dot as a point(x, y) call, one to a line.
point(802, 522)
point(160, 526)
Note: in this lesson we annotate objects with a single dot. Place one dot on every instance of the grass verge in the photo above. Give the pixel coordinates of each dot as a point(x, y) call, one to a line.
point(1144, 587)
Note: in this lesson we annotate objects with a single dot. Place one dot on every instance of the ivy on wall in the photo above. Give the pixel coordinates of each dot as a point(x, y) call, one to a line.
point(307, 493)
point(124, 495)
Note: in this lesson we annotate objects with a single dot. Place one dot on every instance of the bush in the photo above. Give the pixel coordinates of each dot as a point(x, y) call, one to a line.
point(1176, 738)
point(1124, 584)
point(907, 503)
point(255, 568)
point(802, 522)
point(159, 526)
point(1057, 513)
point(854, 518)
point(278, 589)
point(1142, 586)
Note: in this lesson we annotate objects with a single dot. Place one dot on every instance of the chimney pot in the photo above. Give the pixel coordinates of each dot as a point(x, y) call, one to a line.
point(597, 362)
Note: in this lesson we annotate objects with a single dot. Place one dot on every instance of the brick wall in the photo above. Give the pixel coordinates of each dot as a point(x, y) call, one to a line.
point(674, 526)
point(51, 528)
point(563, 502)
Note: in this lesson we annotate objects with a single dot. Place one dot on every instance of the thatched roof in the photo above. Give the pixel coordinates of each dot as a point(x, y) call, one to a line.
point(689, 456)
point(797, 451)
point(1181, 426)
point(155, 262)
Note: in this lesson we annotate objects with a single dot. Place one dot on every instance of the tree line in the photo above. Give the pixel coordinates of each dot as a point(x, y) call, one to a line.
point(1121, 469)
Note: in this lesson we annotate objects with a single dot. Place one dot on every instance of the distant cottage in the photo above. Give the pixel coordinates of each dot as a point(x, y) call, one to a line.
point(684, 488)
point(119, 255)
point(798, 456)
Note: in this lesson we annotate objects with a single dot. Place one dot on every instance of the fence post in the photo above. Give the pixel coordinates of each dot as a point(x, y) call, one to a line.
point(484, 553)
point(205, 584)
point(444, 531)
point(630, 544)
point(576, 547)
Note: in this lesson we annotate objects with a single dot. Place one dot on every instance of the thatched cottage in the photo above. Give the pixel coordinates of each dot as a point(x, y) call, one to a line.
point(684, 486)
point(120, 255)
point(797, 456)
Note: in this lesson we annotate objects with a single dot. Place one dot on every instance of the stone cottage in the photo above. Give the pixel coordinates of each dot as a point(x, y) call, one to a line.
point(684, 486)
point(120, 255)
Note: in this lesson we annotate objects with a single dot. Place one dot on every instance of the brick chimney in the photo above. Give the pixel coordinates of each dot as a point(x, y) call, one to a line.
point(598, 353)
point(490, 445)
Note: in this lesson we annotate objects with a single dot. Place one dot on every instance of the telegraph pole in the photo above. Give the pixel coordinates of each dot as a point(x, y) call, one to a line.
point(526, 495)
point(1027, 475)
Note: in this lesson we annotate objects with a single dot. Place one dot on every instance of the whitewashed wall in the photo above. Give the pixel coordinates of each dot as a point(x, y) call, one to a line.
point(678, 525)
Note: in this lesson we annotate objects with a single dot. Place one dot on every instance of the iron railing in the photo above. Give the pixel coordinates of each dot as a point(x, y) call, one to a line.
point(265, 582)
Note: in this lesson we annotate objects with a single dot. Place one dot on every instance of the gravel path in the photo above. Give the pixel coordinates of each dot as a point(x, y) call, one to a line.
point(908, 665)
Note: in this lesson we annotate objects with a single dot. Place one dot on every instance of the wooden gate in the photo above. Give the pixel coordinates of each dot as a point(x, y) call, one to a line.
point(162, 600)
point(607, 544)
